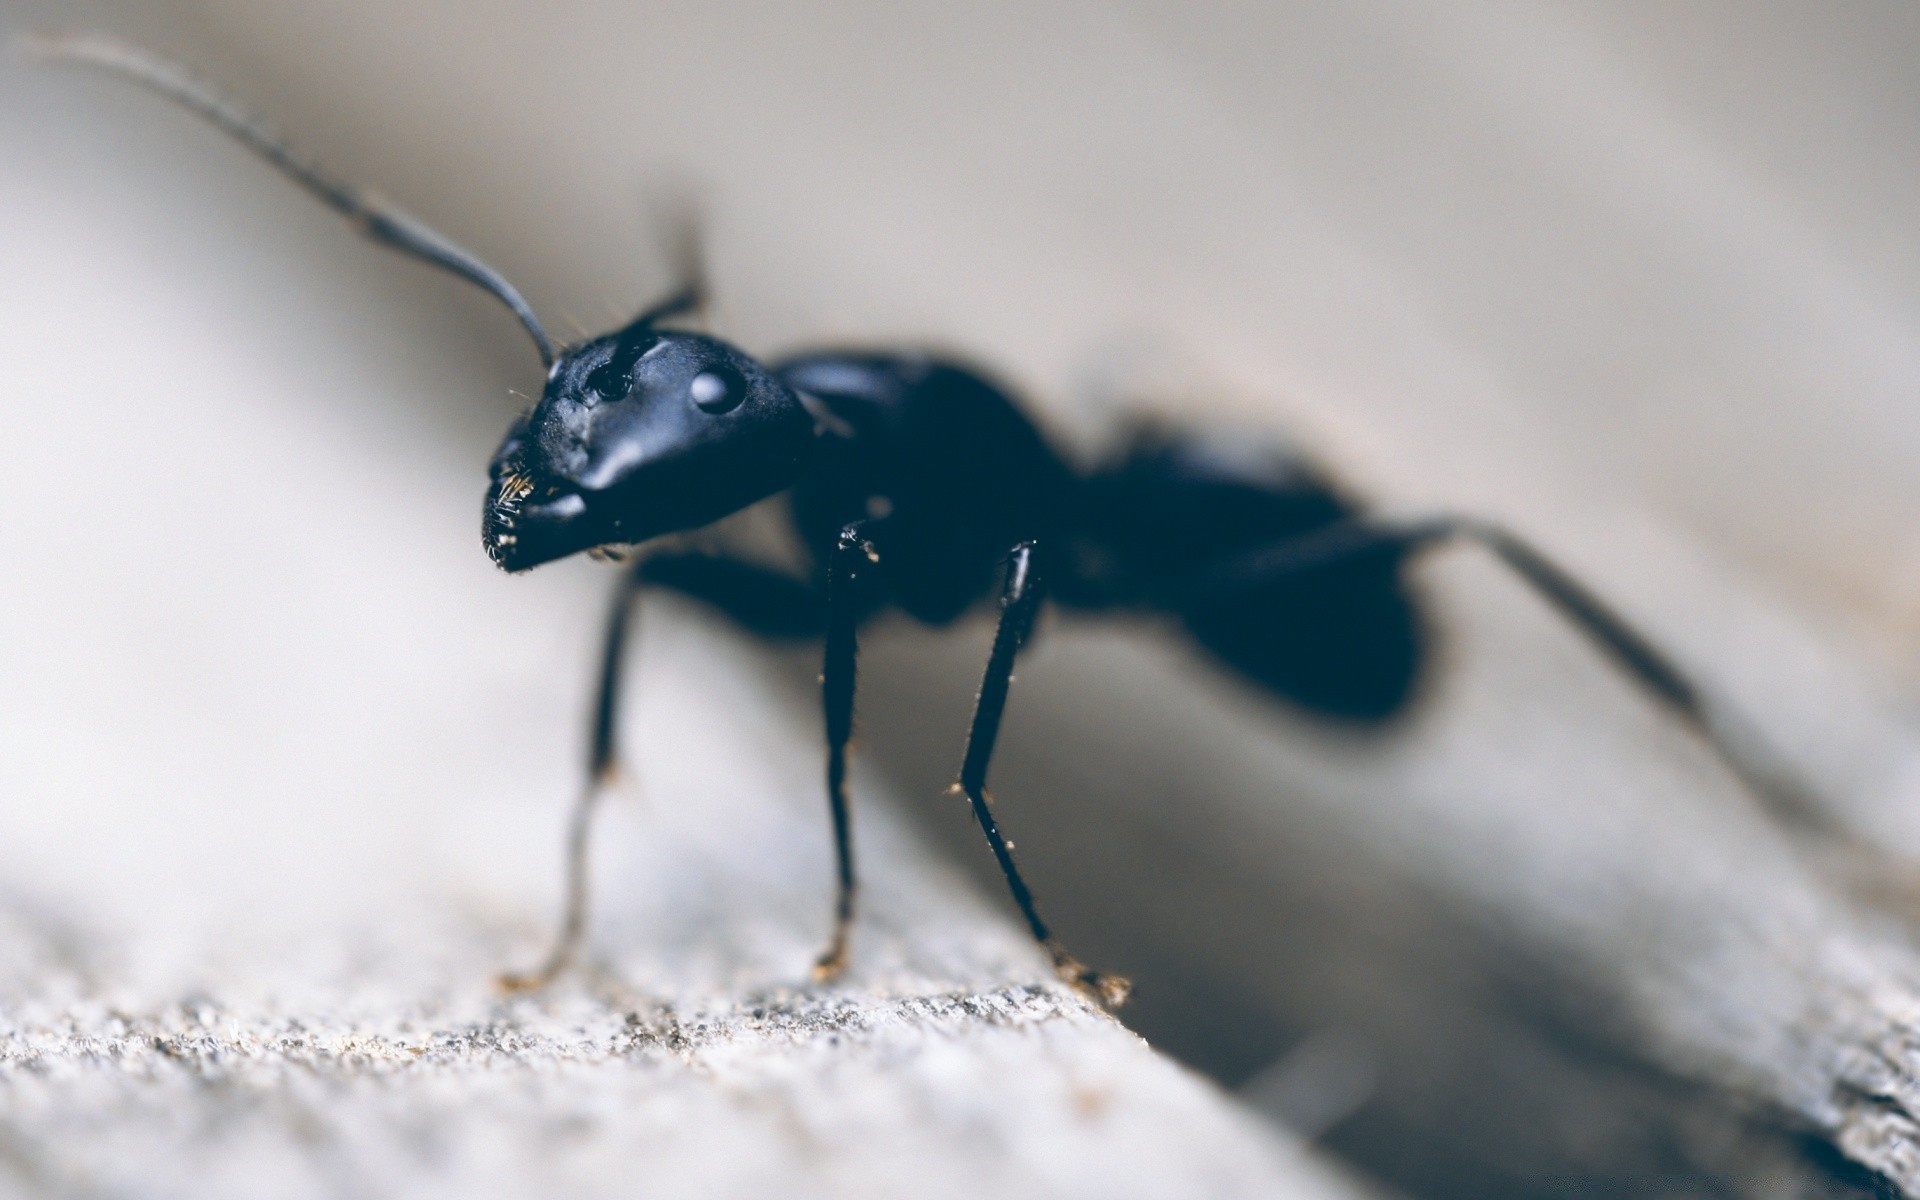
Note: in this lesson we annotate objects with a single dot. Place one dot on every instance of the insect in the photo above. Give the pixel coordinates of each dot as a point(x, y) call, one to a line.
point(918, 484)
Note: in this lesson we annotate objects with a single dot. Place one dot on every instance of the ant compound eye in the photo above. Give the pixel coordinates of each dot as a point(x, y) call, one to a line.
point(717, 391)
point(609, 382)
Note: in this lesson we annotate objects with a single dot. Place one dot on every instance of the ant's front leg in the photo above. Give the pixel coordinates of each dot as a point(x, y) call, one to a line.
point(759, 599)
point(853, 556)
point(1019, 605)
point(602, 768)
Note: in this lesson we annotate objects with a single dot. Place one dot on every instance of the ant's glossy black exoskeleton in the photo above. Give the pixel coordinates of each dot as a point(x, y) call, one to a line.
point(913, 482)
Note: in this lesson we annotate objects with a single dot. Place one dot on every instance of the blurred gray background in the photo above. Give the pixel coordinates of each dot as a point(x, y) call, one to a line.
point(1638, 279)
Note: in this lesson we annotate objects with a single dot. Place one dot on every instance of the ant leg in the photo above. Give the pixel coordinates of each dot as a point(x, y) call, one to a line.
point(1739, 747)
point(603, 767)
point(764, 601)
point(1019, 605)
point(852, 555)
point(775, 605)
point(778, 606)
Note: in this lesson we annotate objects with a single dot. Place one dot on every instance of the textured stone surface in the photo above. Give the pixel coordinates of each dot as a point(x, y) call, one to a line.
point(1019, 1091)
point(255, 1054)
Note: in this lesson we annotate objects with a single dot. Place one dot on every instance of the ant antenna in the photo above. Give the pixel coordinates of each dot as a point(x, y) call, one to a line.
point(686, 251)
point(371, 215)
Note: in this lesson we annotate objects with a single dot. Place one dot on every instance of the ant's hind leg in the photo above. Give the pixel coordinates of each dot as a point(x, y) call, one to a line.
point(603, 767)
point(1019, 606)
point(1741, 748)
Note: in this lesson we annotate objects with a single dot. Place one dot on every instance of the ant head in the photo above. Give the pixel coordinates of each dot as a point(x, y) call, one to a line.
point(639, 433)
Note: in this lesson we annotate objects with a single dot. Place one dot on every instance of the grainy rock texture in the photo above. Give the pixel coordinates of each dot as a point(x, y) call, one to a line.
point(377, 1058)
point(1019, 1091)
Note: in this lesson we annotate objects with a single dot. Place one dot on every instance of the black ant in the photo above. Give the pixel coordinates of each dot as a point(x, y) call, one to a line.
point(913, 482)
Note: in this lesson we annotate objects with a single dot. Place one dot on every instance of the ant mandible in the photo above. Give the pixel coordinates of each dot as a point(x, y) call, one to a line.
point(913, 480)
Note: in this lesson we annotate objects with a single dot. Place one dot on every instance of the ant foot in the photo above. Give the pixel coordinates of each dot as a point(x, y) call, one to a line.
point(833, 960)
point(1108, 991)
point(515, 983)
